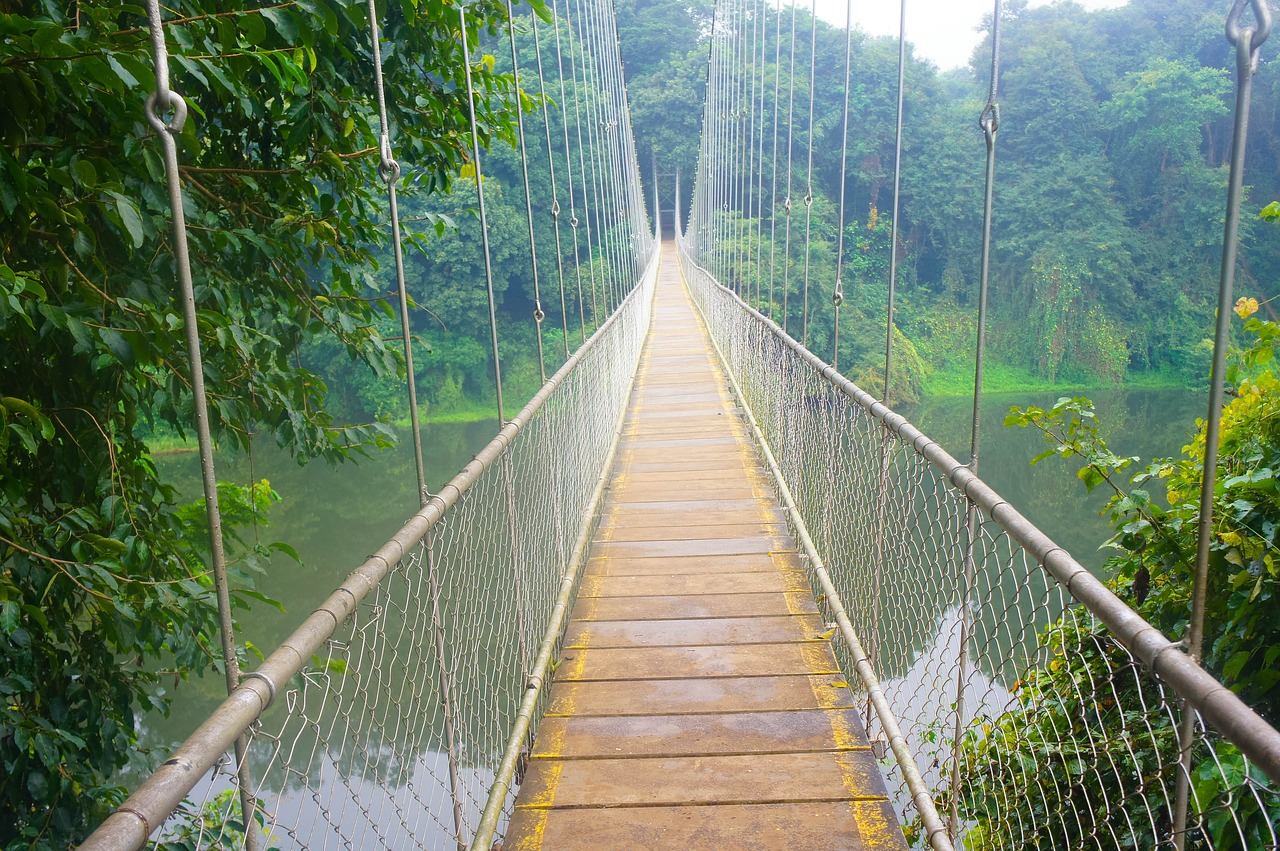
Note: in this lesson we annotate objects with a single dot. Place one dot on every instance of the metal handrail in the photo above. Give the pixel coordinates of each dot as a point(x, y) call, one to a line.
point(160, 794)
point(1217, 704)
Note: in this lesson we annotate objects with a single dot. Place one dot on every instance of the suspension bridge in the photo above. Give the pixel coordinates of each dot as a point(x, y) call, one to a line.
point(703, 591)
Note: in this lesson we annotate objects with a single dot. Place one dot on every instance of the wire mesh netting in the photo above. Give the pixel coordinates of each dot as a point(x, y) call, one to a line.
point(390, 735)
point(1031, 723)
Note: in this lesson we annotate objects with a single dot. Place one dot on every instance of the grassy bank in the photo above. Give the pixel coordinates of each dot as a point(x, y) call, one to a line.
point(467, 411)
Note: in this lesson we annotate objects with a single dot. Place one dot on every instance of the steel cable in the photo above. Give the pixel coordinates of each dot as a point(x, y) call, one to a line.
point(555, 193)
point(538, 313)
point(159, 104)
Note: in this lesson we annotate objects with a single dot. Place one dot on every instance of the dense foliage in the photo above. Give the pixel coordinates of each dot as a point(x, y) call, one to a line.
point(1110, 179)
point(102, 580)
point(1053, 766)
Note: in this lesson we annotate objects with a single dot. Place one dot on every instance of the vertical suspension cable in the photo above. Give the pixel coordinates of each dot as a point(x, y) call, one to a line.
point(989, 121)
point(568, 162)
point(631, 185)
point(773, 180)
point(596, 128)
point(389, 171)
point(762, 12)
point(484, 219)
point(897, 198)
point(808, 192)
point(1248, 43)
point(508, 474)
point(538, 313)
point(743, 122)
point(555, 192)
point(582, 168)
point(619, 191)
point(886, 438)
point(837, 294)
point(787, 205)
point(749, 140)
point(595, 125)
point(160, 103)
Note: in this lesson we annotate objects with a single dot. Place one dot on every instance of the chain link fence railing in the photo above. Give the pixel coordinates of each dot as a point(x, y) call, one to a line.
point(1036, 709)
point(383, 721)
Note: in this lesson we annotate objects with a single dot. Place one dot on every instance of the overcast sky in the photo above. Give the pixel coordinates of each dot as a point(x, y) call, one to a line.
point(944, 31)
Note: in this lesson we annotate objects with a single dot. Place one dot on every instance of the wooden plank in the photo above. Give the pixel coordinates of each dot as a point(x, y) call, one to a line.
point(739, 563)
point(754, 779)
point(787, 827)
point(666, 549)
point(696, 701)
point(700, 606)
point(690, 697)
point(627, 533)
point(727, 733)
point(728, 660)
point(692, 632)
point(680, 584)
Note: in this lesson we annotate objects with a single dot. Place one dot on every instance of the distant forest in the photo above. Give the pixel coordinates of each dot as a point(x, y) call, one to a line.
point(1111, 177)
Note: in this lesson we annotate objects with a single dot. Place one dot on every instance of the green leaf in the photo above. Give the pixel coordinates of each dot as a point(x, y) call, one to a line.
point(1091, 476)
point(129, 217)
point(128, 79)
point(284, 23)
point(8, 617)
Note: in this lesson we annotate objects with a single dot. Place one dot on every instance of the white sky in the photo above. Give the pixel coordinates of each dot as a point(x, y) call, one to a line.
point(944, 31)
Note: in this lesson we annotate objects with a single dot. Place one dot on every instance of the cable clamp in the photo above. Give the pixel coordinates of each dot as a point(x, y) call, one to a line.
point(146, 825)
point(271, 686)
point(153, 109)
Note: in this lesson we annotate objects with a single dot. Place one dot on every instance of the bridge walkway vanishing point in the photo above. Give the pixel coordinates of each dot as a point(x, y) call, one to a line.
point(697, 703)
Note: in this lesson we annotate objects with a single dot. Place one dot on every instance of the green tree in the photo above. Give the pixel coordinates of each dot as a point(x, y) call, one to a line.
point(1055, 767)
point(101, 574)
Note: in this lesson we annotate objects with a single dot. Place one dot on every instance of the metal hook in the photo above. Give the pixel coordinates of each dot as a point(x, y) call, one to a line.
point(989, 120)
point(174, 124)
point(1248, 40)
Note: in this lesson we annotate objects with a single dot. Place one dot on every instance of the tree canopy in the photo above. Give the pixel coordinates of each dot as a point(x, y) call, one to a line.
point(102, 581)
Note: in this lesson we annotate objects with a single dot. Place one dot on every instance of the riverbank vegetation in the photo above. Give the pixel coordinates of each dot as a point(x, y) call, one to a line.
point(1050, 767)
point(1111, 173)
point(103, 580)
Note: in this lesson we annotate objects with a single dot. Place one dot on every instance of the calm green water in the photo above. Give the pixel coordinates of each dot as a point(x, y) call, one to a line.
point(333, 516)
point(1151, 423)
point(336, 516)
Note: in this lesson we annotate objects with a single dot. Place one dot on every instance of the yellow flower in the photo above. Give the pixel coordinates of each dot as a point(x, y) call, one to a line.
point(1246, 307)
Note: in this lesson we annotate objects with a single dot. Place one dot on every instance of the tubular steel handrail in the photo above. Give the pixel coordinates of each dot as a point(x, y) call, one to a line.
point(1220, 706)
point(1217, 705)
point(503, 782)
point(161, 794)
point(921, 797)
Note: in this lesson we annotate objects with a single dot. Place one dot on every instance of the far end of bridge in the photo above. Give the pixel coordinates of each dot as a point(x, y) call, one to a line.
point(697, 703)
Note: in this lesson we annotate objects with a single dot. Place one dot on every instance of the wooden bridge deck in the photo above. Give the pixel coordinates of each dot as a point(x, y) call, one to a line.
point(696, 704)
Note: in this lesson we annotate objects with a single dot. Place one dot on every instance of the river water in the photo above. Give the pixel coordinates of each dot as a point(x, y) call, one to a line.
point(335, 517)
